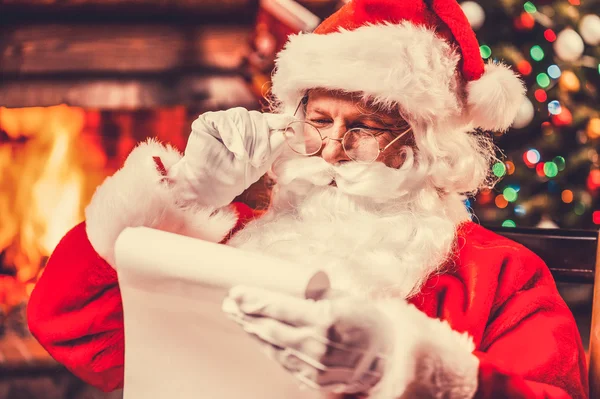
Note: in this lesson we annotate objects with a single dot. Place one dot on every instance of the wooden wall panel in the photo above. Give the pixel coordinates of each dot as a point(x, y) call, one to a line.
point(131, 7)
point(124, 49)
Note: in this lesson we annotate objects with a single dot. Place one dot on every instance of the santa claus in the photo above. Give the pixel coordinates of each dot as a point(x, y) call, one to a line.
point(378, 135)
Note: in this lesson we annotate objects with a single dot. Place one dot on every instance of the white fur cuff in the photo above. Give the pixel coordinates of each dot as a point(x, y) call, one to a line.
point(137, 196)
point(429, 359)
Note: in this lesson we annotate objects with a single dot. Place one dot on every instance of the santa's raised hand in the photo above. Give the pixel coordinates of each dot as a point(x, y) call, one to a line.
point(227, 151)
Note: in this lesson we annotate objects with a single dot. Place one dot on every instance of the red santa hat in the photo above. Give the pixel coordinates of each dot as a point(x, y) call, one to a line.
point(419, 55)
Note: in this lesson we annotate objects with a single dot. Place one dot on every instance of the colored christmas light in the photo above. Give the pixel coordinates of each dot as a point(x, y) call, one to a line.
point(543, 80)
point(485, 51)
point(554, 71)
point(567, 196)
point(525, 21)
point(540, 95)
point(565, 118)
point(510, 167)
point(579, 208)
point(501, 202)
point(554, 107)
point(485, 197)
point(575, 2)
point(593, 128)
point(526, 160)
point(537, 53)
point(568, 81)
point(539, 169)
point(596, 217)
point(524, 67)
point(510, 194)
point(509, 223)
point(560, 163)
point(499, 169)
point(550, 169)
point(550, 35)
point(593, 180)
point(529, 7)
point(532, 156)
point(520, 210)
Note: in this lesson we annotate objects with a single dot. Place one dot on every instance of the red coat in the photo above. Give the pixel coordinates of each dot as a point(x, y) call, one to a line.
point(497, 291)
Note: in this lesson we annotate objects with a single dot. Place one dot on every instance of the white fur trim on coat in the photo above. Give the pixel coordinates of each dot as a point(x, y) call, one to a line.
point(428, 360)
point(136, 196)
point(392, 64)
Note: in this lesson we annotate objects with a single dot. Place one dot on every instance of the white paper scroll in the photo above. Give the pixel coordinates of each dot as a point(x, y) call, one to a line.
point(178, 342)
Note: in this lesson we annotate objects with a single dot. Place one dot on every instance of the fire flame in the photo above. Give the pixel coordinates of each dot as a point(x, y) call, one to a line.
point(51, 161)
point(43, 183)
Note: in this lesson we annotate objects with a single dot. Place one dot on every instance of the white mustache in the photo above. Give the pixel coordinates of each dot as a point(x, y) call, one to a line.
point(353, 178)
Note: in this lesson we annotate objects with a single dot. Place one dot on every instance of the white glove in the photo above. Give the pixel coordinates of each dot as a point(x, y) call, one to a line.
point(335, 345)
point(226, 152)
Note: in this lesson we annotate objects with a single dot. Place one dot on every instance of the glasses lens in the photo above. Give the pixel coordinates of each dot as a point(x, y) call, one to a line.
point(303, 138)
point(360, 145)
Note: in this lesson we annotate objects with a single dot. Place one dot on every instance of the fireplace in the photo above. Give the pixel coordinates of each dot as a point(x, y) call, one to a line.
point(81, 82)
point(52, 159)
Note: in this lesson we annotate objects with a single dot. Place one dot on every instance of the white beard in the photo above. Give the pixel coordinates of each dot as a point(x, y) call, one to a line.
point(381, 232)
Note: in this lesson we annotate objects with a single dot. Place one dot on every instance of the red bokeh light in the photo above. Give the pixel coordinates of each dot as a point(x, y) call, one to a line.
point(541, 95)
point(527, 20)
point(539, 169)
point(524, 67)
point(563, 119)
point(593, 180)
point(550, 35)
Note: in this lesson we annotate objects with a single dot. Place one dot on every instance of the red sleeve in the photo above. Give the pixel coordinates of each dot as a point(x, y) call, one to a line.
point(531, 347)
point(75, 312)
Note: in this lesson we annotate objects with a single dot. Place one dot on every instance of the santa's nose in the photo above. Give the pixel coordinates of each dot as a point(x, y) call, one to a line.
point(333, 150)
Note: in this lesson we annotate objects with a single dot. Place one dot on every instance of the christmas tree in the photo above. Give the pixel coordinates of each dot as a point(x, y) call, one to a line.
point(550, 167)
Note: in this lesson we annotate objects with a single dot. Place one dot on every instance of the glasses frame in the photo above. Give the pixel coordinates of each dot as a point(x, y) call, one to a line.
point(341, 139)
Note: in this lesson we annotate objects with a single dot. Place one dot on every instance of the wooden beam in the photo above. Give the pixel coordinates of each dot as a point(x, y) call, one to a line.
point(197, 92)
point(144, 7)
point(124, 49)
point(205, 5)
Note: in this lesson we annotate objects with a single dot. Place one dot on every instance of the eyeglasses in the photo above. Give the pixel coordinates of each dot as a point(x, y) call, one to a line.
point(360, 145)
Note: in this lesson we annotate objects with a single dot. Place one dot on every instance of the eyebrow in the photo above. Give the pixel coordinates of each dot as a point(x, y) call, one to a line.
point(391, 124)
point(317, 110)
point(358, 116)
point(373, 118)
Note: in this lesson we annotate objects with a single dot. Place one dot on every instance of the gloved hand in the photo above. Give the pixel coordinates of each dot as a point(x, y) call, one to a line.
point(335, 345)
point(226, 152)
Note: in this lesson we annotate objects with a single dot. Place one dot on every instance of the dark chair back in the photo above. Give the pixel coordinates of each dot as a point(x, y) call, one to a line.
point(572, 256)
